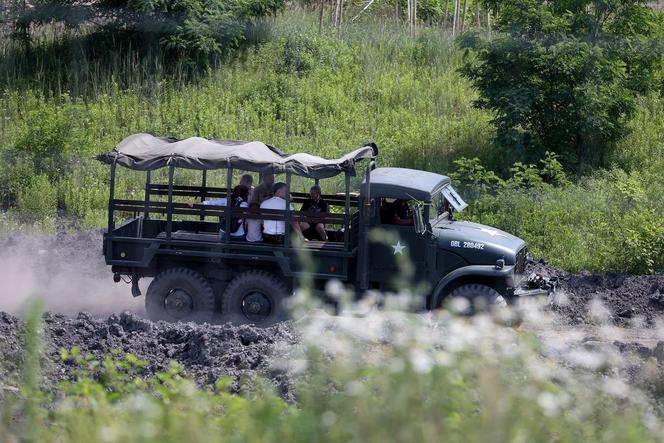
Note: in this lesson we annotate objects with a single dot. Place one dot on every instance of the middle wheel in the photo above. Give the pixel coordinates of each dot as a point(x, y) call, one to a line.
point(255, 297)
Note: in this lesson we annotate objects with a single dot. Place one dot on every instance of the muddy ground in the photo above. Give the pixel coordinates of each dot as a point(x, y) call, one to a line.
point(68, 271)
point(629, 300)
point(207, 352)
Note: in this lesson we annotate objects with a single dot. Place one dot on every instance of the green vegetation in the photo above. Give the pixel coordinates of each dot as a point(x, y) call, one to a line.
point(479, 380)
point(565, 76)
point(193, 27)
point(610, 221)
point(324, 94)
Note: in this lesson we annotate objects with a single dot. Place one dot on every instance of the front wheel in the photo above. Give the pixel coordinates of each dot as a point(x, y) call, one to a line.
point(255, 297)
point(477, 298)
point(180, 294)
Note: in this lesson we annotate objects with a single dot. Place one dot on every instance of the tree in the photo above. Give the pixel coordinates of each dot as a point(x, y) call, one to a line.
point(196, 26)
point(563, 76)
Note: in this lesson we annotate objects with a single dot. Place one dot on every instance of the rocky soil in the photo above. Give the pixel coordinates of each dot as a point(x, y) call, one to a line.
point(207, 352)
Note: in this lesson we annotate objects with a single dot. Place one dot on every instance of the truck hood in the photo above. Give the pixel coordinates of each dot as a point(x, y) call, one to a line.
point(477, 243)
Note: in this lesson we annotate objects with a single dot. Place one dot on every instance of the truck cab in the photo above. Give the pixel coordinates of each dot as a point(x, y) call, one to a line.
point(433, 250)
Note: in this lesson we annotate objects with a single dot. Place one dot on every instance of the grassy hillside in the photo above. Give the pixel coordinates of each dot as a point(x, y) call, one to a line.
point(321, 94)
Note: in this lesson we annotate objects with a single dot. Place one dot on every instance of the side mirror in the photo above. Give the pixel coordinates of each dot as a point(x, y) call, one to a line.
point(420, 226)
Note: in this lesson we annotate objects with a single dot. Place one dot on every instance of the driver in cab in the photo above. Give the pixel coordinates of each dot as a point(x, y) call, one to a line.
point(399, 213)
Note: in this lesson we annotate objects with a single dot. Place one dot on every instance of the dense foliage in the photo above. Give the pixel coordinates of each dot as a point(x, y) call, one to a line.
point(563, 76)
point(194, 26)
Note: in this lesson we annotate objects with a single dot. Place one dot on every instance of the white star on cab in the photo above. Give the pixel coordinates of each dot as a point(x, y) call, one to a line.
point(492, 232)
point(398, 248)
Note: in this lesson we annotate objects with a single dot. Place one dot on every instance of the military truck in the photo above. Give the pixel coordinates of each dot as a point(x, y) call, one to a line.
point(200, 274)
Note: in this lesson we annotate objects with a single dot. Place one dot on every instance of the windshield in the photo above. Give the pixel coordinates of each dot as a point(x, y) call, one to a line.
point(443, 202)
point(438, 205)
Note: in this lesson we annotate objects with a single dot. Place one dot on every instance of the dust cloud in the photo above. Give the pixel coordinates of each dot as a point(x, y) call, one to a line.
point(66, 271)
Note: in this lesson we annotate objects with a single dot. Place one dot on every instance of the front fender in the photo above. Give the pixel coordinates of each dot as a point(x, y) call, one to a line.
point(507, 272)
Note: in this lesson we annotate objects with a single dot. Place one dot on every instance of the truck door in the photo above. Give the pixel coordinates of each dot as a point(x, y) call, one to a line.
point(392, 244)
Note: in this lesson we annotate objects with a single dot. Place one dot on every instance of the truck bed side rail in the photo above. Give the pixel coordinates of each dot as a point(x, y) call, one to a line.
point(154, 207)
point(200, 192)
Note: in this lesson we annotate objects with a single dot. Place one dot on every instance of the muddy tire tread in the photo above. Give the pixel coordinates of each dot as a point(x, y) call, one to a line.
point(205, 299)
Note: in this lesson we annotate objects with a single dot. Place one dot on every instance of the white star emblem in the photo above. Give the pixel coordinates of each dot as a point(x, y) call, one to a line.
point(398, 248)
point(492, 232)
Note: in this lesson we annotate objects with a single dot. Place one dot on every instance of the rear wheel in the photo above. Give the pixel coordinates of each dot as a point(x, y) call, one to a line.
point(255, 297)
point(180, 294)
point(477, 298)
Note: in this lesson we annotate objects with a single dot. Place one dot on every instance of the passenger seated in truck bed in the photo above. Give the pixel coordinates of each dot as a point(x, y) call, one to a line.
point(274, 230)
point(316, 205)
point(254, 226)
point(239, 197)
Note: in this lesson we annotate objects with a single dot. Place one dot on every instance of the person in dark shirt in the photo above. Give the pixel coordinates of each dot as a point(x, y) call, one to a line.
point(315, 205)
point(401, 214)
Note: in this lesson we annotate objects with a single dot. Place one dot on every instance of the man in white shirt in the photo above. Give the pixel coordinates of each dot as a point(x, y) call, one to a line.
point(274, 230)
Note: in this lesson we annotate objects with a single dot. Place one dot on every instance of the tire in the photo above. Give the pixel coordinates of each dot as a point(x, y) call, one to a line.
point(481, 298)
point(255, 297)
point(180, 294)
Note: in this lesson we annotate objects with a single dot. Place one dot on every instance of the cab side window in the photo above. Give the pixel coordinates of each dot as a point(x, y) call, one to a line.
point(396, 212)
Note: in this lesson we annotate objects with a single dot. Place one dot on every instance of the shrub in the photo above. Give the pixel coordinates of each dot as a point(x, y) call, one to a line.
point(563, 76)
point(38, 200)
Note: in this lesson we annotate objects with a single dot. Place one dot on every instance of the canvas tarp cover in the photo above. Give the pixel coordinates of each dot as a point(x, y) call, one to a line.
point(145, 152)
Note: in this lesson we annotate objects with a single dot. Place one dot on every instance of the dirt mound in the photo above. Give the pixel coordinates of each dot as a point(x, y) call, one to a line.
point(626, 299)
point(207, 352)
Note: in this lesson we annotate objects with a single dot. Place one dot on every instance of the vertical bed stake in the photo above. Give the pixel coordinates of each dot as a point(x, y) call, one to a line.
point(365, 222)
point(229, 203)
point(287, 227)
point(347, 213)
point(203, 192)
point(146, 210)
point(169, 208)
point(111, 199)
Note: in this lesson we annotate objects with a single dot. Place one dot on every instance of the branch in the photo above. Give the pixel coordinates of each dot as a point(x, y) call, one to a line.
point(363, 9)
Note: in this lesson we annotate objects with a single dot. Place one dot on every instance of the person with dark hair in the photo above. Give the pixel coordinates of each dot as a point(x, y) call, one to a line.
point(400, 213)
point(315, 205)
point(274, 230)
point(248, 181)
point(239, 197)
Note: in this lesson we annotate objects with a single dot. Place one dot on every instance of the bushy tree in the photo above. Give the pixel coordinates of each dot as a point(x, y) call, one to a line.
point(563, 76)
point(198, 26)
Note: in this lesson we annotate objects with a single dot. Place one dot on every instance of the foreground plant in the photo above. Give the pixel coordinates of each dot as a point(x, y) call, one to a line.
point(386, 376)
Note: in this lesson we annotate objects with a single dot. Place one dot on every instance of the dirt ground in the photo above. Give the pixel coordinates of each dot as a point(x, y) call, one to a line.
point(69, 273)
point(207, 352)
point(629, 300)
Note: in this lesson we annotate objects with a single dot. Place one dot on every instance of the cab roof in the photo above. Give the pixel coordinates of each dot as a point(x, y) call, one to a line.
point(405, 183)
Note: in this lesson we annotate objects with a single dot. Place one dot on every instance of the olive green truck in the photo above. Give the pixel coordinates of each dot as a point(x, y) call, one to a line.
point(198, 274)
